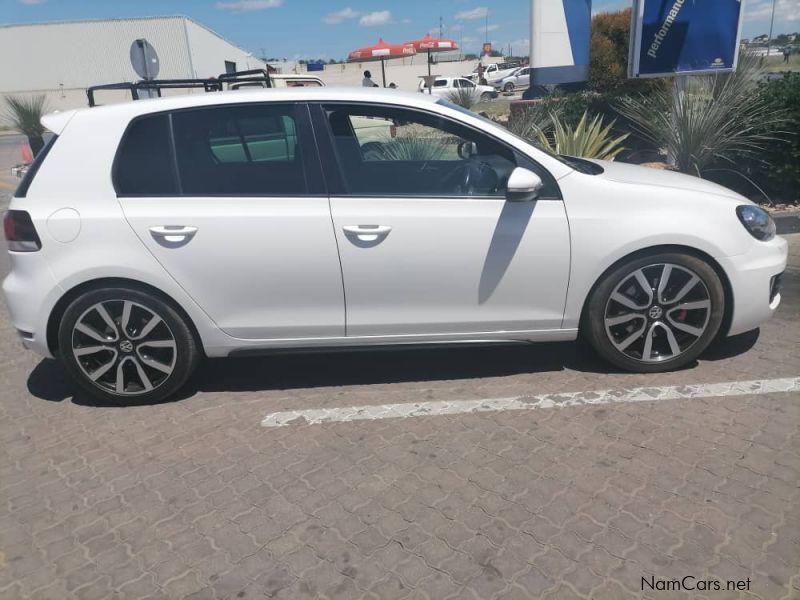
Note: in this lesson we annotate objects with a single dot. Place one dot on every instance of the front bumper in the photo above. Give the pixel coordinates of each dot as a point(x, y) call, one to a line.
point(754, 278)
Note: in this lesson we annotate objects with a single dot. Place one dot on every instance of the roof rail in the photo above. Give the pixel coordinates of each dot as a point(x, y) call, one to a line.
point(212, 84)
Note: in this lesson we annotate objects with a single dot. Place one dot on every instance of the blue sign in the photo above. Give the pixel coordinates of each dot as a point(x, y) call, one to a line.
point(684, 36)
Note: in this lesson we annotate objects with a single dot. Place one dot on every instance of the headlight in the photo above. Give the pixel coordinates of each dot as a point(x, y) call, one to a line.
point(757, 221)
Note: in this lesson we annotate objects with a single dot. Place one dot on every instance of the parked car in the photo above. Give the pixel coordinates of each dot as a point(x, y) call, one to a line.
point(282, 80)
point(150, 234)
point(518, 79)
point(444, 86)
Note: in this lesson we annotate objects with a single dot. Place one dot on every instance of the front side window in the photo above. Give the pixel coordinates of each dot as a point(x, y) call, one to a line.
point(250, 150)
point(388, 151)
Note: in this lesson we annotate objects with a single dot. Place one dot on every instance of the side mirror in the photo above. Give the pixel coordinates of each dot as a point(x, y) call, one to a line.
point(467, 150)
point(523, 185)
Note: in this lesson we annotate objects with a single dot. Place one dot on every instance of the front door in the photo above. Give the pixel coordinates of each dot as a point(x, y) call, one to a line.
point(427, 241)
point(244, 225)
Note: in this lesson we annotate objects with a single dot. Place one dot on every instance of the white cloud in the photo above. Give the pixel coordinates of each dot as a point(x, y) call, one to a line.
point(785, 10)
point(31, 2)
point(249, 5)
point(380, 17)
point(471, 15)
point(492, 27)
point(406, 21)
point(341, 15)
point(456, 27)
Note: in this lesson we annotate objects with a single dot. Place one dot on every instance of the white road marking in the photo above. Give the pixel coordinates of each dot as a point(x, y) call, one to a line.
point(315, 416)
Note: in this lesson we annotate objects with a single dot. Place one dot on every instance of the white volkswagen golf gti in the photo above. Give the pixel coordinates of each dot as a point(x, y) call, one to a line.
point(150, 234)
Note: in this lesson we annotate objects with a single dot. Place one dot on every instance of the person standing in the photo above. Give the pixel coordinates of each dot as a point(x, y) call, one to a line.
point(786, 52)
point(367, 81)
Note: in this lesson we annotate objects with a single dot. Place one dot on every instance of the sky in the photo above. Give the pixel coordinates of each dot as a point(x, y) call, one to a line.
point(328, 29)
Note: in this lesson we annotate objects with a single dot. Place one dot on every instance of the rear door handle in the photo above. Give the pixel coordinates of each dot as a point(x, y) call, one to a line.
point(367, 233)
point(173, 234)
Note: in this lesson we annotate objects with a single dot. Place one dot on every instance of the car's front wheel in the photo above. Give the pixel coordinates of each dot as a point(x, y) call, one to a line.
point(655, 313)
point(124, 345)
point(508, 88)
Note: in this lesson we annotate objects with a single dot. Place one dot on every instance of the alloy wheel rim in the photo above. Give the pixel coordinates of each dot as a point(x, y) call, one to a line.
point(124, 347)
point(657, 312)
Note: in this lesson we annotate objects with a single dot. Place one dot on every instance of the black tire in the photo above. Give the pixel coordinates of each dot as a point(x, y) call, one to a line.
point(486, 97)
point(181, 357)
point(508, 88)
point(593, 323)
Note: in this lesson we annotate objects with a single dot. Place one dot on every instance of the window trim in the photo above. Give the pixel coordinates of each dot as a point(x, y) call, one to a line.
point(33, 169)
point(312, 168)
point(332, 162)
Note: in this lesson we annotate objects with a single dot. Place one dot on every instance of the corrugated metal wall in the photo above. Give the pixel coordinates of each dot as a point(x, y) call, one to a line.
point(76, 55)
point(209, 52)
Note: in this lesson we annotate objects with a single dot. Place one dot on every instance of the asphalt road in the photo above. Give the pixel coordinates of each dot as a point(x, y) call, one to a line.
point(516, 472)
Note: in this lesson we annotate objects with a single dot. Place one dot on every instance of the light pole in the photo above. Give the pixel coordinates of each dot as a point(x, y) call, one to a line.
point(771, 23)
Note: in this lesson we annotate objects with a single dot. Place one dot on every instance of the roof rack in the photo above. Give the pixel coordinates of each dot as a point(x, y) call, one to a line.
point(212, 84)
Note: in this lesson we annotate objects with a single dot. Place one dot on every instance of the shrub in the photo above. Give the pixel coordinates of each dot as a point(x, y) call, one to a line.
point(715, 119)
point(25, 115)
point(463, 97)
point(778, 171)
point(588, 138)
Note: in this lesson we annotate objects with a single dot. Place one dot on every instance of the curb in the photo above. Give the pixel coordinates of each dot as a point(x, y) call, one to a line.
point(787, 222)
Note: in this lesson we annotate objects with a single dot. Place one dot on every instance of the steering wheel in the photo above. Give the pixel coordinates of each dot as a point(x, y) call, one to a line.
point(468, 177)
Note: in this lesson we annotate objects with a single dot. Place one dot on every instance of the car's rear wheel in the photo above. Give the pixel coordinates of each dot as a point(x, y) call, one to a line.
point(123, 345)
point(655, 313)
point(508, 88)
point(486, 97)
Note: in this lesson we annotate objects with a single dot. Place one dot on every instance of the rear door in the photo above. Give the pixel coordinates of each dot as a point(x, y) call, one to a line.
point(232, 205)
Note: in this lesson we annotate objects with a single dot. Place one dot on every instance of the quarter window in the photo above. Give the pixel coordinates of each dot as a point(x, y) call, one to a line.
point(144, 161)
point(239, 151)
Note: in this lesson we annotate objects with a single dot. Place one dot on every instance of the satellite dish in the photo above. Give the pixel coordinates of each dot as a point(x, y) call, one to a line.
point(144, 59)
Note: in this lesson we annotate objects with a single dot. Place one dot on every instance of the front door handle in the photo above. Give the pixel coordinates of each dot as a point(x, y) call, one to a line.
point(173, 235)
point(367, 233)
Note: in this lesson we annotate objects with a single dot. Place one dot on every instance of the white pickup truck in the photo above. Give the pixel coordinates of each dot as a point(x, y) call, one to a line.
point(494, 72)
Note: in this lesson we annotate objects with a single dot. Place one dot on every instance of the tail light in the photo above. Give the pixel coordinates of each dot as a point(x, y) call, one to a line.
point(20, 233)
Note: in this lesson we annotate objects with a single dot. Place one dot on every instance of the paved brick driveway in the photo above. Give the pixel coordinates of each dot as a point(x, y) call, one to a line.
point(195, 499)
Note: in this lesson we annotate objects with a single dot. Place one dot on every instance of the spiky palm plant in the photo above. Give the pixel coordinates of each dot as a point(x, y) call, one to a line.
point(25, 114)
point(536, 117)
point(711, 119)
point(411, 149)
point(588, 139)
point(464, 97)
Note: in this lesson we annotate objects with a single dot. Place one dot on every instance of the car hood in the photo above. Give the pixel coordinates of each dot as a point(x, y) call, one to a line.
point(635, 174)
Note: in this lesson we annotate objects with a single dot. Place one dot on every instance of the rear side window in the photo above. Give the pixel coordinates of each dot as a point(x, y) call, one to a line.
point(250, 150)
point(144, 162)
point(22, 188)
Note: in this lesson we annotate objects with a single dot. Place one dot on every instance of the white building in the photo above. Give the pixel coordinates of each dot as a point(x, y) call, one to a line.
point(62, 59)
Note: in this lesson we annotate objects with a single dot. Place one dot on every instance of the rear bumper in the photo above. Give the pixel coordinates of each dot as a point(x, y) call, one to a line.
point(753, 278)
point(30, 292)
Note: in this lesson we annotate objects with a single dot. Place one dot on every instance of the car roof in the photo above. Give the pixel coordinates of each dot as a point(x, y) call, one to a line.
point(128, 110)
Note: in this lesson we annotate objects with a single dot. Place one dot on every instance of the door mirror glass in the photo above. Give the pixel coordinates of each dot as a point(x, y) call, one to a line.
point(467, 150)
point(523, 185)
